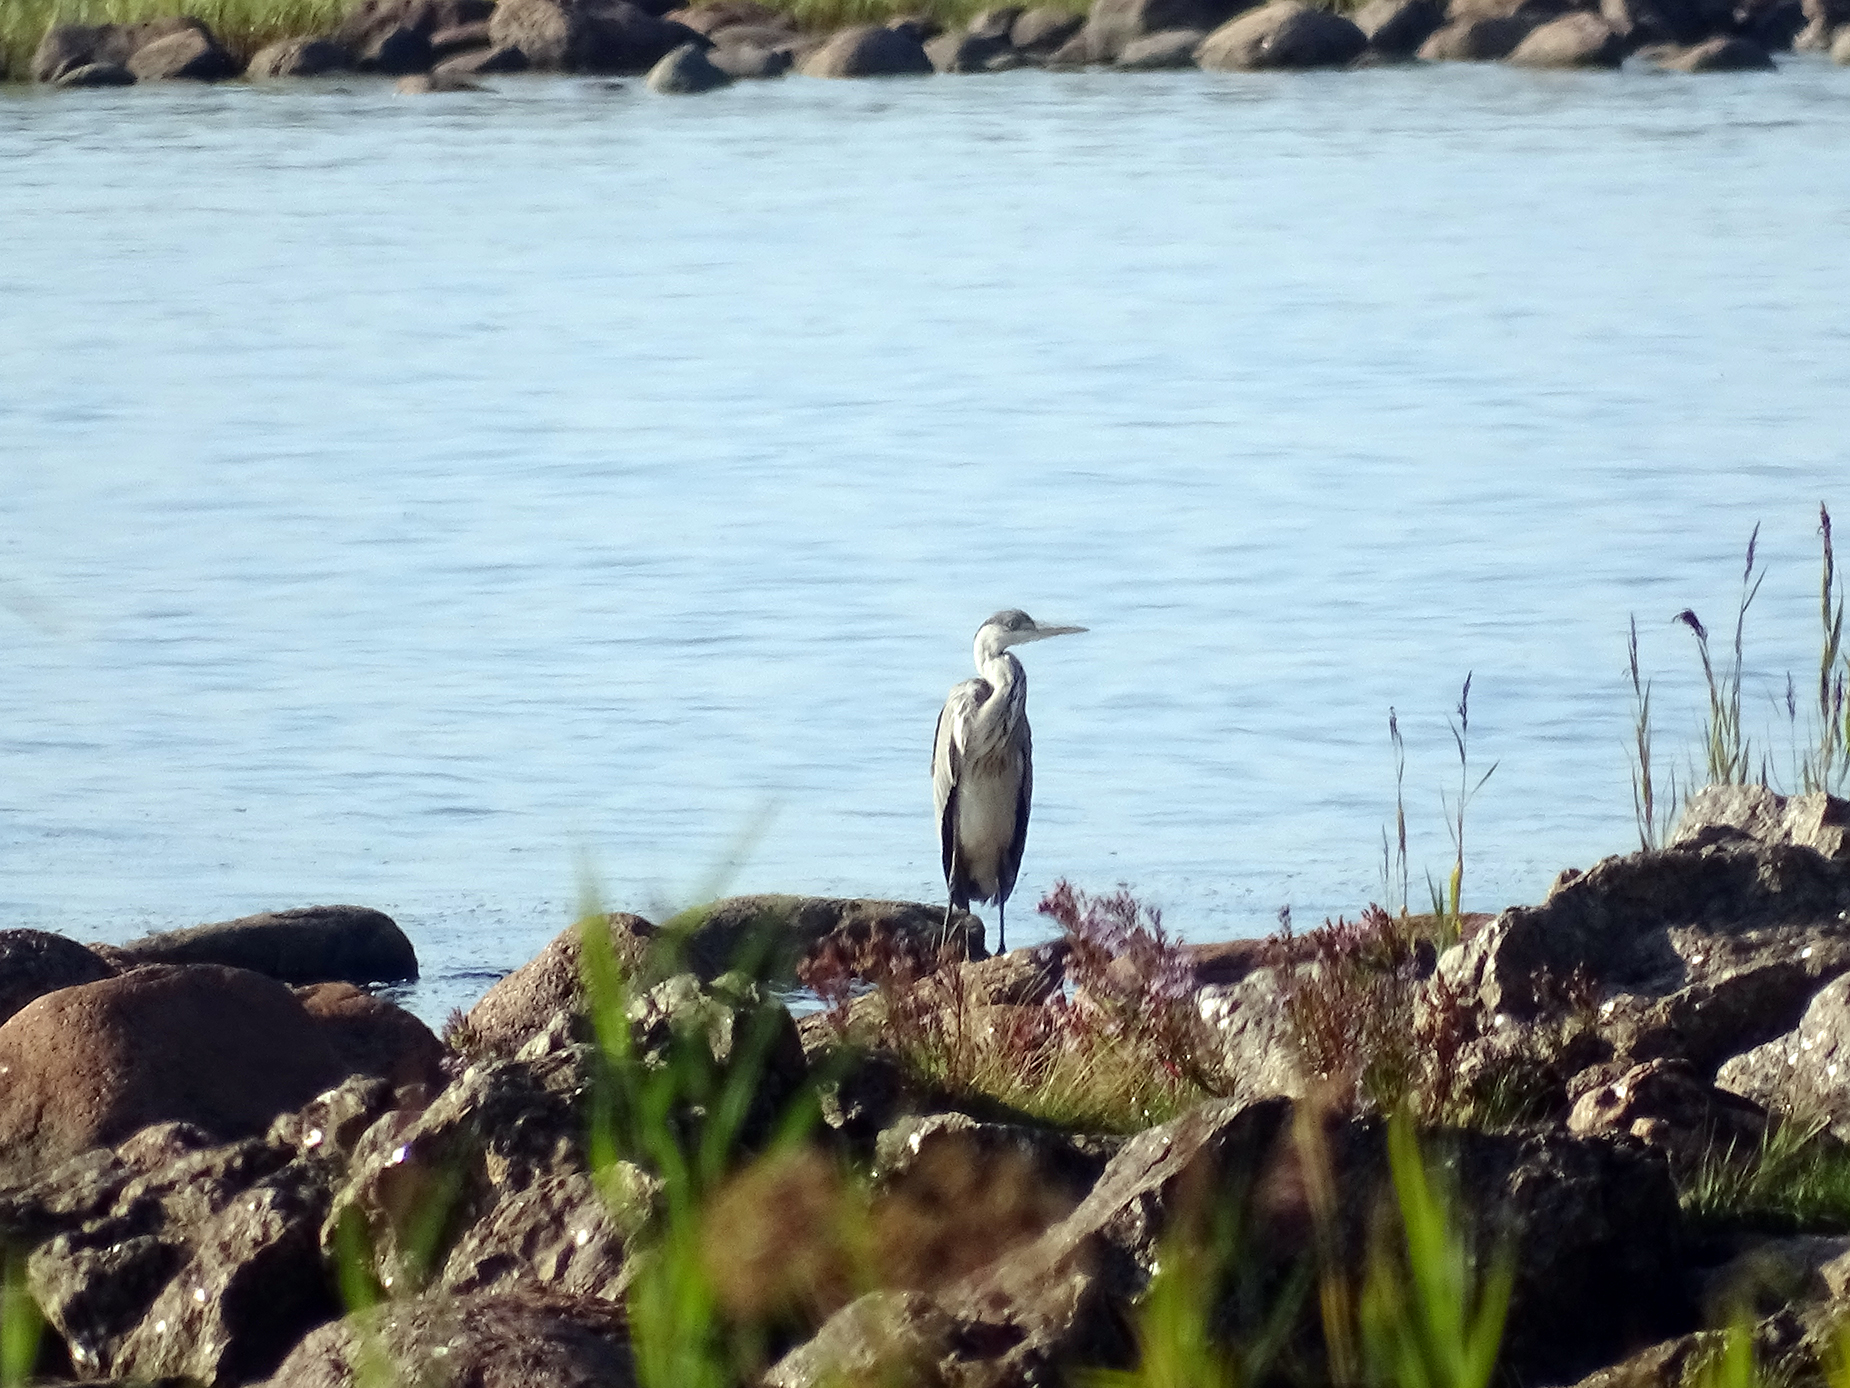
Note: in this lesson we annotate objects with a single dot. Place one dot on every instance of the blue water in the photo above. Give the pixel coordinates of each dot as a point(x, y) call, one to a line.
point(439, 503)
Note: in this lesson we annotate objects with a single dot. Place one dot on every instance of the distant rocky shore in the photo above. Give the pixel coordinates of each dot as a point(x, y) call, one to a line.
point(451, 45)
point(224, 1161)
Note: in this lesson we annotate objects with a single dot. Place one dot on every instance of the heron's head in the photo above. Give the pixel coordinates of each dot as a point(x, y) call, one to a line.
point(1013, 628)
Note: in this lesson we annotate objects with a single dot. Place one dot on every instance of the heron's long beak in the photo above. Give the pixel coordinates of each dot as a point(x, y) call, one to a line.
point(1041, 633)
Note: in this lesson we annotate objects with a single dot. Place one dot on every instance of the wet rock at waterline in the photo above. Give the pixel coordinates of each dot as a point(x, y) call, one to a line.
point(605, 36)
point(687, 71)
point(1175, 49)
point(303, 57)
point(95, 75)
point(1573, 40)
point(967, 52)
point(311, 944)
point(480, 62)
point(189, 56)
point(1284, 34)
point(1114, 23)
point(748, 62)
point(868, 51)
point(1728, 53)
point(67, 47)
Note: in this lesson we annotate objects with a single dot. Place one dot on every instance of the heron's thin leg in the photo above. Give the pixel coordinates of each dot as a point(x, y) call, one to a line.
point(1002, 929)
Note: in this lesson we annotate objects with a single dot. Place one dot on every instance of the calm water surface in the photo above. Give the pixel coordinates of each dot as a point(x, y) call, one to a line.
point(423, 502)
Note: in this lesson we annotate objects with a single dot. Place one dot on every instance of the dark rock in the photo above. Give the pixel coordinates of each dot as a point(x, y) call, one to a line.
point(95, 75)
point(223, 1048)
point(370, 20)
point(1724, 53)
point(68, 46)
point(746, 61)
point(459, 38)
point(33, 962)
point(1475, 40)
point(331, 1124)
point(1397, 28)
point(304, 57)
point(964, 52)
point(1175, 49)
point(1643, 22)
point(1043, 29)
point(397, 52)
point(1578, 39)
point(608, 36)
point(481, 62)
point(687, 71)
point(1283, 34)
point(375, 1037)
point(862, 51)
point(1704, 950)
point(489, 1340)
point(186, 56)
point(313, 944)
point(1806, 1072)
point(1114, 23)
point(254, 1285)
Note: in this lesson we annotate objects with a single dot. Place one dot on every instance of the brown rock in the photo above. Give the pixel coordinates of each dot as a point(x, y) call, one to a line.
point(459, 38)
point(304, 57)
point(1475, 40)
point(868, 50)
point(222, 1048)
point(1175, 49)
point(190, 55)
point(1114, 23)
point(1283, 34)
point(746, 61)
point(1397, 28)
point(1840, 49)
point(687, 72)
point(709, 19)
point(481, 62)
point(609, 36)
point(964, 52)
point(1724, 53)
point(1041, 30)
point(375, 1037)
point(553, 980)
point(95, 75)
point(488, 1340)
point(1578, 39)
point(312, 944)
point(33, 962)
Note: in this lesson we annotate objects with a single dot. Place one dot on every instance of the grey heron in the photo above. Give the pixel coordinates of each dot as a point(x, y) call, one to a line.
point(982, 769)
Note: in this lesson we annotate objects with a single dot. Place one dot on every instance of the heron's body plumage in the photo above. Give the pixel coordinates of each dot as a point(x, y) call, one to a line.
point(982, 768)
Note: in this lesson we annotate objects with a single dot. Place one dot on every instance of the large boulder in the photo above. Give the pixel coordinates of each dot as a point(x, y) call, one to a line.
point(1577, 39)
point(485, 1340)
point(1160, 52)
point(190, 55)
point(868, 50)
point(687, 71)
point(526, 1000)
point(1704, 950)
point(311, 944)
point(1251, 1027)
point(1397, 28)
point(1283, 34)
point(1038, 32)
point(66, 47)
point(1114, 23)
point(1805, 1072)
point(300, 57)
point(225, 1049)
point(1484, 40)
point(372, 1036)
point(611, 36)
point(33, 963)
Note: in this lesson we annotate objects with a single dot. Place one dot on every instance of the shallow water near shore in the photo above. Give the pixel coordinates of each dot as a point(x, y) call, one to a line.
point(415, 501)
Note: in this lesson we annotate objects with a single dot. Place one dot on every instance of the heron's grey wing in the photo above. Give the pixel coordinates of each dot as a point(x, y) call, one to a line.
point(947, 760)
point(1023, 750)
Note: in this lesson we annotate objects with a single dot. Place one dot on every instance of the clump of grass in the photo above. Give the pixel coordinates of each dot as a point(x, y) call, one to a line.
point(1826, 763)
point(1797, 1178)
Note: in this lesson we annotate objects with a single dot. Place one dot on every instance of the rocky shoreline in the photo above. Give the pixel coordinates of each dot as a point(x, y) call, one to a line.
point(223, 1162)
point(449, 45)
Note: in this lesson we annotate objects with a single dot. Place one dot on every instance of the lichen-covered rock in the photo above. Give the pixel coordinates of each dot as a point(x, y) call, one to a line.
point(1806, 1072)
point(1283, 34)
point(488, 1340)
point(1577, 39)
point(312, 944)
point(560, 1234)
point(1250, 1023)
point(687, 71)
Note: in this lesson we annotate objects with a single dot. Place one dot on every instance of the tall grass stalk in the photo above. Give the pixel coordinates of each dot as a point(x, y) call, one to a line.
point(1654, 817)
point(1796, 1178)
point(1727, 749)
point(1446, 904)
point(1432, 1320)
point(1827, 764)
point(1394, 855)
